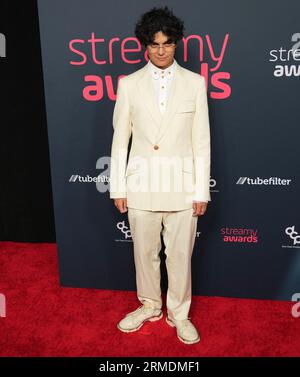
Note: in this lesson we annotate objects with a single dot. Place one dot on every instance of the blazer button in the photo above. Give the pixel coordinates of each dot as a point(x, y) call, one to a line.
point(156, 147)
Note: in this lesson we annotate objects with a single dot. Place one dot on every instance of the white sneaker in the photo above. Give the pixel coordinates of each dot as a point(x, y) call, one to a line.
point(186, 331)
point(134, 321)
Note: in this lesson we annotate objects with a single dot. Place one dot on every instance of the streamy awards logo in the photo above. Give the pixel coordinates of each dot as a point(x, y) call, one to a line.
point(285, 59)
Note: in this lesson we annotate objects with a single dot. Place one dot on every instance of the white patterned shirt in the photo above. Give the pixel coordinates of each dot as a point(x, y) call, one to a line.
point(162, 79)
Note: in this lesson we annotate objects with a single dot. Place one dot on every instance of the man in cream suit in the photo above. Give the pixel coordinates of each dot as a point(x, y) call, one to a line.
point(164, 186)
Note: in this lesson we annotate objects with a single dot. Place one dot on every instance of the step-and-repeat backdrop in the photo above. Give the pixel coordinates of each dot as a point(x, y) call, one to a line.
point(248, 242)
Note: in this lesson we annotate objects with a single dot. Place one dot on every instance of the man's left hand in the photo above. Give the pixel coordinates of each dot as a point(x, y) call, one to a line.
point(199, 208)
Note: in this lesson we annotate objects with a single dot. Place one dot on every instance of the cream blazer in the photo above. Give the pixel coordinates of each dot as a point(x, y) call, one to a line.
point(169, 161)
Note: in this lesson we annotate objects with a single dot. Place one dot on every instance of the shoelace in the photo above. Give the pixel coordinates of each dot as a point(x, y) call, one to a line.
point(139, 310)
point(186, 322)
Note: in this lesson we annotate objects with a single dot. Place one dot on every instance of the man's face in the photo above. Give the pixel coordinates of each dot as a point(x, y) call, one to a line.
point(161, 51)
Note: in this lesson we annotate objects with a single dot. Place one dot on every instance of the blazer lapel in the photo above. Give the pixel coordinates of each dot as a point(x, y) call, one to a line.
point(148, 96)
point(147, 93)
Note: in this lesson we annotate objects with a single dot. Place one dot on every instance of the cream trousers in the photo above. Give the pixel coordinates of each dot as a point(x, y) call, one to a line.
point(179, 232)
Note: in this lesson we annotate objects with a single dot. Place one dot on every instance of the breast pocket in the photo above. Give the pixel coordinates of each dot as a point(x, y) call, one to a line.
point(187, 106)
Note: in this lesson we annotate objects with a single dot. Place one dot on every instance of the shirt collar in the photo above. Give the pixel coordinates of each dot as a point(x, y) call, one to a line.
point(157, 72)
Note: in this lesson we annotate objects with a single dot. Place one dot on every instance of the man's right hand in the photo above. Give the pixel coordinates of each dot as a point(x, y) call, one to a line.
point(121, 204)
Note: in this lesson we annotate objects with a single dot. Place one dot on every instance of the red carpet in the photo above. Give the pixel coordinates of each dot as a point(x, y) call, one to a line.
point(44, 319)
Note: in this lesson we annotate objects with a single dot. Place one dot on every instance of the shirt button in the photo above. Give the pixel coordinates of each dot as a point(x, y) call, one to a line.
point(163, 87)
point(156, 147)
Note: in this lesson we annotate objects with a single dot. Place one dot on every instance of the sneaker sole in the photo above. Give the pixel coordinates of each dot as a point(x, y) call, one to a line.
point(151, 319)
point(181, 339)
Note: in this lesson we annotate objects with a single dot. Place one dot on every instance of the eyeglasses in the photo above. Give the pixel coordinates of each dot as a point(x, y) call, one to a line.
point(167, 46)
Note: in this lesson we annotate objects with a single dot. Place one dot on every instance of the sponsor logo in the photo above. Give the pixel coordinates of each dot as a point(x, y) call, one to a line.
point(294, 236)
point(125, 230)
point(87, 178)
point(272, 181)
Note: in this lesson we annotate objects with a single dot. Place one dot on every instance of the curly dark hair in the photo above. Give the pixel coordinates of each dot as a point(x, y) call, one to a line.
point(158, 19)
